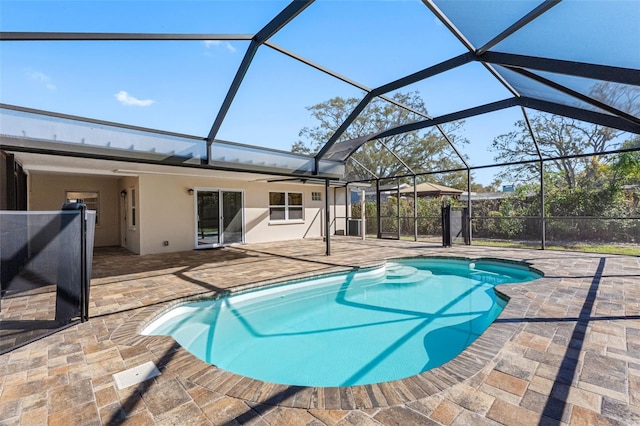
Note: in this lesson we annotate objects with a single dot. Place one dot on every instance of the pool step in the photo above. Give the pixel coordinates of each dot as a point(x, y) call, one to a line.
point(395, 270)
point(404, 274)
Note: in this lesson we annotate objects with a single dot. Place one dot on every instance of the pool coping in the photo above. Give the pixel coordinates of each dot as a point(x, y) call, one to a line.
point(465, 366)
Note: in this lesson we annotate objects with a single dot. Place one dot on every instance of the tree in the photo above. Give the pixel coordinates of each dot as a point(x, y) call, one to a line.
point(558, 137)
point(562, 137)
point(626, 167)
point(626, 171)
point(423, 151)
point(494, 186)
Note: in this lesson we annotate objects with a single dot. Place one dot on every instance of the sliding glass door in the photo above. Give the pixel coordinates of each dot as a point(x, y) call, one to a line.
point(208, 219)
point(231, 217)
point(219, 218)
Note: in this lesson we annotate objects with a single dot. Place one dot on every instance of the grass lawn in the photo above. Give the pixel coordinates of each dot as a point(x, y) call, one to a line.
point(627, 249)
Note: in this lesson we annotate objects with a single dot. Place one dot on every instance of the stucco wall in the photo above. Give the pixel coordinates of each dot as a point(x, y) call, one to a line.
point(47, 192)
point(260, 229)
point(167, 211)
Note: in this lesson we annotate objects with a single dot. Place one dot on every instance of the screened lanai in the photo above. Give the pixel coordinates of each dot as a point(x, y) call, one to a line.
point(312, 119)
point(532, 108)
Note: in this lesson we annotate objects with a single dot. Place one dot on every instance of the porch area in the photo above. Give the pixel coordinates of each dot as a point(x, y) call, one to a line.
point(566, 349)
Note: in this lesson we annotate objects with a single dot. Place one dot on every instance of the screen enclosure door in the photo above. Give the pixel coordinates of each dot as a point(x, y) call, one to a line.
point(219, 218)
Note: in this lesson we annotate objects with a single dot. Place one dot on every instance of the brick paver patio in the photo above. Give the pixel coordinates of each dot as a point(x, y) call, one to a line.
point(566, 350)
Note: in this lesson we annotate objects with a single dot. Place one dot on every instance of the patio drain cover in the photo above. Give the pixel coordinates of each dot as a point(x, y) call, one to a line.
point(136, 375)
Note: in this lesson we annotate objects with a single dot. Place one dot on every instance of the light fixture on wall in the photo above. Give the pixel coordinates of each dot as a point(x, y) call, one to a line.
point(123, 193)
point(190, 191)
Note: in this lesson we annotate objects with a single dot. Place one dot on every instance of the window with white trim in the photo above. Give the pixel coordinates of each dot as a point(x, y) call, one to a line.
point(285, 206)
point(90, 198)
point(316, 196)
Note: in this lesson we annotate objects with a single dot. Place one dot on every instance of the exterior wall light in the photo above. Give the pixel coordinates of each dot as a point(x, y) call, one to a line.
point(190, 191)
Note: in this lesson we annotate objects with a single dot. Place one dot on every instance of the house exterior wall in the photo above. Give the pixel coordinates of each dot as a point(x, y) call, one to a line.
point(48, 192)
point(167, 211)
point(261, 229)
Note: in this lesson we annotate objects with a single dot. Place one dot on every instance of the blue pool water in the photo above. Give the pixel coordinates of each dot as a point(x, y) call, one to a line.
point(356, 328)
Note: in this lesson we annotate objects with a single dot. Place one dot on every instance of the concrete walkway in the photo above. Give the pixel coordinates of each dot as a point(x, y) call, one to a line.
point(566, 350)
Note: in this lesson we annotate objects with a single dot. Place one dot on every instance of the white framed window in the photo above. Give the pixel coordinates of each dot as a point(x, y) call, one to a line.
point(90, 198)
point(285, 206)
point(316, 196)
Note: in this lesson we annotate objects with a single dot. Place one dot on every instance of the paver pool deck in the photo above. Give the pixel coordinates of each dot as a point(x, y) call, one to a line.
point(566, 349)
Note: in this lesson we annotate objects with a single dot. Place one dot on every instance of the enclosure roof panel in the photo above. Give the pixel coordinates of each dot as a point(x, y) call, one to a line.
point(270, 75)
point(132, 16)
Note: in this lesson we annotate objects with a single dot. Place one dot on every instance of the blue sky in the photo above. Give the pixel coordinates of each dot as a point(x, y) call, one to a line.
point(179, 85)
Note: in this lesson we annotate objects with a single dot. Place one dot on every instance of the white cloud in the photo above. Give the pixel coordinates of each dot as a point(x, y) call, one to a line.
point(209, 43)
point(43, 79)
point(126, 99)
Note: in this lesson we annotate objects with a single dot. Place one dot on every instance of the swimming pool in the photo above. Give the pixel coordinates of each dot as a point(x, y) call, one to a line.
point(361, 327)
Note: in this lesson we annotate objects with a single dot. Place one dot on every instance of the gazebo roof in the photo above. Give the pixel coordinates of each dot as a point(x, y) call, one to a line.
point(433, 189)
